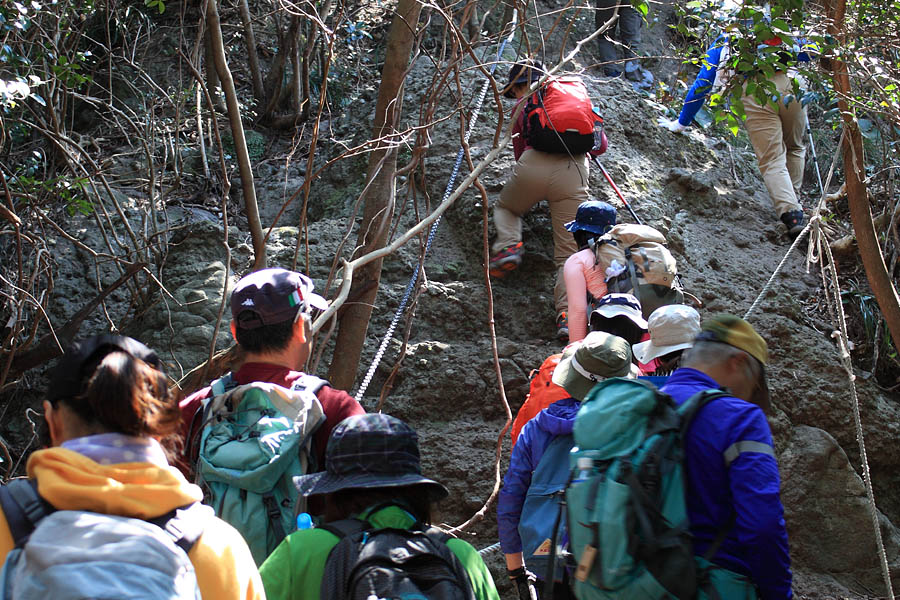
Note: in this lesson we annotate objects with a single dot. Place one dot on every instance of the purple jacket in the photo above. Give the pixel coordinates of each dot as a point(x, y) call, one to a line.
point(732, 473)
point(557, 419)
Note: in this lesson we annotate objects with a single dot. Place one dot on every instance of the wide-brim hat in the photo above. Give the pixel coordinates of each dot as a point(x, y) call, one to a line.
point(621, 305)
point(598, 356)
point(370, 451)
point(672, 327)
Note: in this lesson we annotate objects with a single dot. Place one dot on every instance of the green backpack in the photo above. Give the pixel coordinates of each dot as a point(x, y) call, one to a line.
point(628, 523)
point(255, 439)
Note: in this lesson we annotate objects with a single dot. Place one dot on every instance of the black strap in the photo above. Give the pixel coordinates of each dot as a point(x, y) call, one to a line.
point(274, 514)
point(345, 527)
point(23, 508)
point(184, 525)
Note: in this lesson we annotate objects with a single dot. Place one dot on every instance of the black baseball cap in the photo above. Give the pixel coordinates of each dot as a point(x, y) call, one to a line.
point(271, 296)
point(71, 372)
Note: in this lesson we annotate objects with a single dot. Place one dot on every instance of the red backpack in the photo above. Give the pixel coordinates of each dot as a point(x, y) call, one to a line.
point(541, 393)
point(560, 119)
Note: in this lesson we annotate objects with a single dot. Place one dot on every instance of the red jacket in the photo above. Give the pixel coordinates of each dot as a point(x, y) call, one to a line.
point(337, 404)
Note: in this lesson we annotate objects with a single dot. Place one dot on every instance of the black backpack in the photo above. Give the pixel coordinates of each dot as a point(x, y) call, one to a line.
point(392, 563)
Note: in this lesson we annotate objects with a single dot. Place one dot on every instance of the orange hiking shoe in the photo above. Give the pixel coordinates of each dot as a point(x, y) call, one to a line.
point(562, 326)
point(506, 260)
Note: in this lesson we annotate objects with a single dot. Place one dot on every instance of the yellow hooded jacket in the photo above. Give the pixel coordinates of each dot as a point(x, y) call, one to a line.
point(70, 481)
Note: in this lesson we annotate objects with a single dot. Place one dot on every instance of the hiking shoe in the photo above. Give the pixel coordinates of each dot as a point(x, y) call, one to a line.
point(562, 326)
point(794, 221)
point(506, 260)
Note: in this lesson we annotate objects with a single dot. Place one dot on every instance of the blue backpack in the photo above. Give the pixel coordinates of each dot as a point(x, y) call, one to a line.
point(255, 439)
point(73, 554)
point(628, 523)
point(543, 542)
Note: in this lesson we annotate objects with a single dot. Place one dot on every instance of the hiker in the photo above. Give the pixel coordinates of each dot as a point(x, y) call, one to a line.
point(628, 22)
point(672, 330)
point(732, 475)
point(271, 317)
point(775, 129)
point(526, 510)
point(542, 392)
point(377, 501)
point(585, 283)
point(548, 167)
point(620, 315)
point(112, 492)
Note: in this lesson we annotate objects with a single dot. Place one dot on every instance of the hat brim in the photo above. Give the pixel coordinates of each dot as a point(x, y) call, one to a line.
point(325, 483)
point(647, 351)
point(611, 311)
point(316, 301)
point(573, 226)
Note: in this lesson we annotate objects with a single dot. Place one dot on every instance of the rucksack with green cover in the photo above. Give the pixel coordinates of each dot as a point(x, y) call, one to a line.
point(255, 439)
point(628, 522)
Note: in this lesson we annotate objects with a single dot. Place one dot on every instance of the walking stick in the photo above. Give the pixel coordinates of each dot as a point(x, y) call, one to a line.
point(812, 148)
point(617, 190)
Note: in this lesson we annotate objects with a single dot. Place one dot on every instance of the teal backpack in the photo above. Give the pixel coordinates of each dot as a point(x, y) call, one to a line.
point(628, 523)
point(255, 439)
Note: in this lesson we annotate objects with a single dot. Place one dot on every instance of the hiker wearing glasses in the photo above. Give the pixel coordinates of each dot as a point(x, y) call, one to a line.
point(102, 514)
point(554, 129)
point(733, 483)
point(775, 128)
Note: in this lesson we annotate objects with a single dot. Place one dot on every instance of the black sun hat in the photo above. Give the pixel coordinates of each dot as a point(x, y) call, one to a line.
point(370, 451)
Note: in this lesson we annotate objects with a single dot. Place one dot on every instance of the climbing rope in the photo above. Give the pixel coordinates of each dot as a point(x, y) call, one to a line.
point(447, 191)
point(489, 549)
point(831, 285)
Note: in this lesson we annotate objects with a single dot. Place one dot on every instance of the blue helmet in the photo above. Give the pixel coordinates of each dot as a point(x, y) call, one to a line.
point(594, 216)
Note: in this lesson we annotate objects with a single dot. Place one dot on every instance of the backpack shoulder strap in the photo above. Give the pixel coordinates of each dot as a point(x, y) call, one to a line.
point(440, 539)
point(184, 525)
point(345, 527)
point(309, 383)
point(223, 384)
point(689, 409)
point(23, 508)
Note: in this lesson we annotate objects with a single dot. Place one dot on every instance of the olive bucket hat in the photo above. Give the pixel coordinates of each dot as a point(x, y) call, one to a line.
point(370, 451)
point(598, 356)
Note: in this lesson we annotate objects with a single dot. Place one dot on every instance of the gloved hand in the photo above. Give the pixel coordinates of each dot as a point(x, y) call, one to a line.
point(674, 126)
point(524, 580)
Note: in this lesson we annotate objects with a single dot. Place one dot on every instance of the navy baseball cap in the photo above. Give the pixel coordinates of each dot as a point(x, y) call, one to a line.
point(272, 296)
point(374, 450)
point(526, 71)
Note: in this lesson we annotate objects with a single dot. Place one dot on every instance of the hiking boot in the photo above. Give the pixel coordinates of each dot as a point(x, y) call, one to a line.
point(562, 326)
point(794, 221)
point(506, 260)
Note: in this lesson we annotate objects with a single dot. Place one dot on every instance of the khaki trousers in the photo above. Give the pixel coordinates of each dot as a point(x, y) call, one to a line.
point(563, 183)
point(777, 138)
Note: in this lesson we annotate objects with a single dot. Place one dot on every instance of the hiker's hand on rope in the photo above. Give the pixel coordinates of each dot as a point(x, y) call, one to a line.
point(524, 580)
point(674, 126)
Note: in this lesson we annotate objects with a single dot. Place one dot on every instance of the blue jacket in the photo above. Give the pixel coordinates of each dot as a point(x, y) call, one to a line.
point(732, 473)
point(706, 78)
point(557, 419)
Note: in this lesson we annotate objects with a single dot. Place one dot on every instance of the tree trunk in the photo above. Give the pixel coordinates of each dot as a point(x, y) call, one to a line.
point(857, 196)
point(378, 195)
point(252, 56)
point(237, 132)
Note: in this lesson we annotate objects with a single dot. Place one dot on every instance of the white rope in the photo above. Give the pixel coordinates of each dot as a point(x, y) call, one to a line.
point(818, 242)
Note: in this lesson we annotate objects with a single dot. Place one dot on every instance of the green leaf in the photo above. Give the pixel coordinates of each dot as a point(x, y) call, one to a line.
point(780, 25)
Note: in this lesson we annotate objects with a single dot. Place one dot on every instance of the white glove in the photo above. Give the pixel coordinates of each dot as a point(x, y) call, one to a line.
point(674, 126)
